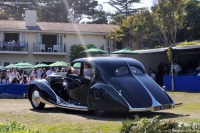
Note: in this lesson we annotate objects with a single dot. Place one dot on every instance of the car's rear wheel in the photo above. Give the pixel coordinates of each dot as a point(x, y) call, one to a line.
point(36, 100)
point(100, 113)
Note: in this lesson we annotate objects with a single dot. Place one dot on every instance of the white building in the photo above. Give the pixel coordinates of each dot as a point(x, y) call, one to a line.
point(47, 42)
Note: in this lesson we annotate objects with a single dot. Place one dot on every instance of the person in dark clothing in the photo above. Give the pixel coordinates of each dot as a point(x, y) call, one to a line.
point(160, 74)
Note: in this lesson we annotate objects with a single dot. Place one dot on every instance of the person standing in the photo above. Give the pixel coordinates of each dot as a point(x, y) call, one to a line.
point(160, 74)
point(87, 70)
point(152, 74)
point(50, 71)
point(14, 77)
point(198, 68)
point(176, 68)
point(39, 73)
point(3, 77)
point(8, 74)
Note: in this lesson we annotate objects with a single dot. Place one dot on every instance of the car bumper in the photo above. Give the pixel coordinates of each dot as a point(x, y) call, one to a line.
point(155, 108)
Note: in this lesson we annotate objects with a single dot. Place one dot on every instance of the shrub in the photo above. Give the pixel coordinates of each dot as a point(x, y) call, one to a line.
point(15, 127)
point(155, 125)
point(188, 43)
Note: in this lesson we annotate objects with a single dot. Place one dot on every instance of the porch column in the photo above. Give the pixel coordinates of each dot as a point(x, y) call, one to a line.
point(2, 36)
point(20, 37)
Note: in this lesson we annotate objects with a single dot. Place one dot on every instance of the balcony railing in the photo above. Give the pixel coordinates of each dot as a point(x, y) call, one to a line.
point(58, 48)
point(18, 46)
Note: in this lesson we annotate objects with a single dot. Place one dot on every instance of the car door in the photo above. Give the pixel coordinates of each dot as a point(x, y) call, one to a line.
point(78, 85)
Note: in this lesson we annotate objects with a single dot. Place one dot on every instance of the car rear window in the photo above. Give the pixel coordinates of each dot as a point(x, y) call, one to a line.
point(136, 70)
point(121, 71)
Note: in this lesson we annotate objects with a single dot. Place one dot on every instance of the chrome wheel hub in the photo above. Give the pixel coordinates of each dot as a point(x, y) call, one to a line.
point(36, 98)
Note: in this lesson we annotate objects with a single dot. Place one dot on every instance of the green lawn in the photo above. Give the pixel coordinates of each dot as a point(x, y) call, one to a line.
point(53, 119)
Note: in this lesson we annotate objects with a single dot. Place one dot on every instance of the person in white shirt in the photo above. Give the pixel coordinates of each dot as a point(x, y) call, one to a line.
point(8, 74)
point(152, 74)
point(177, 68)
point(87, 70)
point(198, 68)
point(14, 75)
point(39, 73)
point(50, 71)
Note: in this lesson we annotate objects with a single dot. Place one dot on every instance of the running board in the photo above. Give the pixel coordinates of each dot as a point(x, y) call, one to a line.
point(66, 105)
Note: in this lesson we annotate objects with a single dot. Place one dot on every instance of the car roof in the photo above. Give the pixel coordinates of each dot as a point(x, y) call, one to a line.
point(101, 59)
point(110, 61)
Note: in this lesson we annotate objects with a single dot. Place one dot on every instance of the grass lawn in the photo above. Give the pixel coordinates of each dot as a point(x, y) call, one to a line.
point(53, 119)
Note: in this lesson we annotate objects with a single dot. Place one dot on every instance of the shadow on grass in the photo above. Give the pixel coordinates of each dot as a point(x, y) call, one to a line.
point(109, 116)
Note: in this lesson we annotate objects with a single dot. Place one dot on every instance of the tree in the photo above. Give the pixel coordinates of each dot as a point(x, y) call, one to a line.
point(3, 16)
point(124, 7)
point(51, 10)
point(145, 31)
point(136, 30)
point(13, 9)
point(81, 8)
point(76, 51)
point(124, 33)
point(117, 19)
point(191, 25)
point(99, 16)
point(169, 15)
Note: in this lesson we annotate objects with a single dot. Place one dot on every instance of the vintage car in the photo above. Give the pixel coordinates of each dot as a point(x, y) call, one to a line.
point(114, 85)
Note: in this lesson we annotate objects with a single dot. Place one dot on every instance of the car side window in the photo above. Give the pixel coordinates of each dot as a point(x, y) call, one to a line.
point(121, 71)
point(97, 75)
point(77, 67)
point(136, 70)
point(88, 70)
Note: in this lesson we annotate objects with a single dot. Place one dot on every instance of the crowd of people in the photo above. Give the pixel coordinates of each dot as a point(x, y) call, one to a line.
point(165, 69)
point(15, 76)
point(12, 45)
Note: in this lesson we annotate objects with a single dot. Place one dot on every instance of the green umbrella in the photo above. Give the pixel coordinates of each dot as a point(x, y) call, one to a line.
point(1, 67)
point(77, 65)
point(94, 51)
point(24, 64)
point(124, 51)
point(11, 66)
point(59, 63)
point(41, 65)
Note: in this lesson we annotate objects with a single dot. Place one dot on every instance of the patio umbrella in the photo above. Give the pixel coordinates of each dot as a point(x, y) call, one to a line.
point(24, 64)
point(124, 51)
point(59, 63)
point(77, 65)
point(94, 51)
point(1, 67)
point(11, 66)
point(41, 65)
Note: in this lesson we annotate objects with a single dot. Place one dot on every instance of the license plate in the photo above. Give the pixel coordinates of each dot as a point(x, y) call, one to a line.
point(162, 107)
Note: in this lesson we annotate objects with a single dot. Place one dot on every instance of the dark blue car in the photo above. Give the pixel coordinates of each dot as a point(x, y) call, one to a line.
point(114, 85)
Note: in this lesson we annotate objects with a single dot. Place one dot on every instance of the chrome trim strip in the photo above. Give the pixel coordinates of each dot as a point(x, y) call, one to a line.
point(66, 105)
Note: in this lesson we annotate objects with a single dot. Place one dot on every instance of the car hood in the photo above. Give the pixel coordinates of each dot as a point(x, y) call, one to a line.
point(140, 91)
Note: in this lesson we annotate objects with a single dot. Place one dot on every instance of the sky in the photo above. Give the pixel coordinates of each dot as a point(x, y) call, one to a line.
point(144, 3)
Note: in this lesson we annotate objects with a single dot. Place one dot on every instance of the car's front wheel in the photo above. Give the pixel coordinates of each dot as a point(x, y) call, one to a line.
point(35, 99)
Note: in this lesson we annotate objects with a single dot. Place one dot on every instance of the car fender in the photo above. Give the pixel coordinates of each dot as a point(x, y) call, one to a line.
point(45, 91)
point(104, 97)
